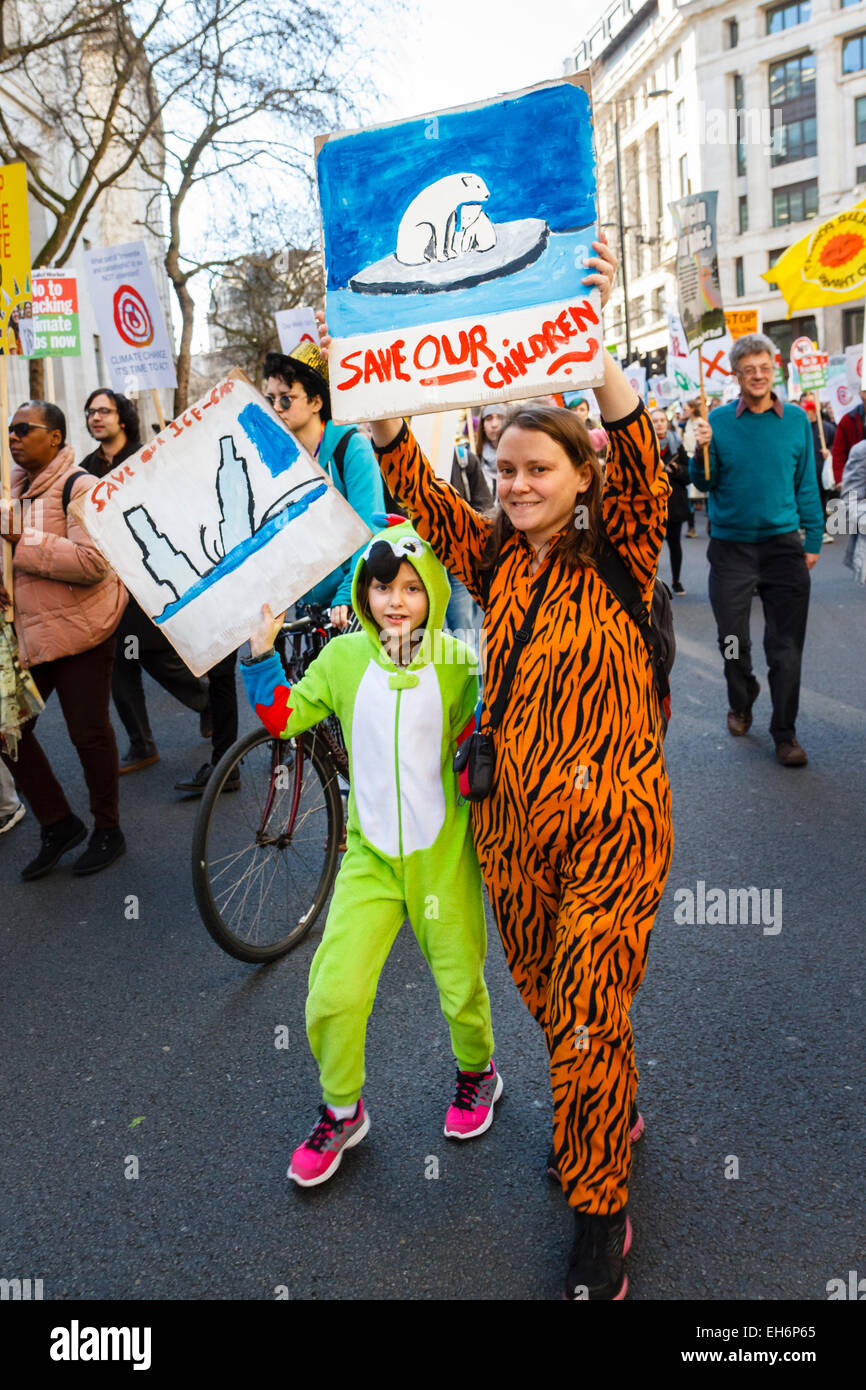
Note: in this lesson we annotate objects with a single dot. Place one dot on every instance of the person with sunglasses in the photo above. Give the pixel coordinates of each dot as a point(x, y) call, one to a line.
point(112, 420)
point(67, 605)
point(296, 385)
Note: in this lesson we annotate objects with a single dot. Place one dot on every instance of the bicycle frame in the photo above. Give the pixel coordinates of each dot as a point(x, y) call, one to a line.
point(314, 627)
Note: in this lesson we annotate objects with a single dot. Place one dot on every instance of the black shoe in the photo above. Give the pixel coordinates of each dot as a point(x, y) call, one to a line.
point(105, 846)
point(678, 588)
point(194, 786)
point(595, 1266)
point(57, 840)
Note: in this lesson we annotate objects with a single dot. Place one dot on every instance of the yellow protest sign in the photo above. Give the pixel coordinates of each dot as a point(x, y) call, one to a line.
point(826, 267)
point(16, 308)
point(739, 322)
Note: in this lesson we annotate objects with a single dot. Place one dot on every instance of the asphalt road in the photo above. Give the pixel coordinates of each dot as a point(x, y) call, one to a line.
point(749, 1042)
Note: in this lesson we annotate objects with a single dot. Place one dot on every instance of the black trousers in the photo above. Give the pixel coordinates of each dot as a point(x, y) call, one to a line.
point(142, 647)
point(224, 705)
point(675, 546)
point(777, 568)
point(82, 683)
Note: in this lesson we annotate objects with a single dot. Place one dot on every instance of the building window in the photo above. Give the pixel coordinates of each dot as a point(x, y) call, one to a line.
point(771, 261)
point(785, 332)
point(684, 176)
point(738, 271)
point(792, 78)
point(744, 213)
point(637, 312)
point(659, 303)
point(847, 3)
point(795, 140)
point(854, 53)
point(739, 106)
point(786, 16)
point(795, 202)
point(678, 64)
point(732, 30)
point(852, 327)
point(681, 118)
point(860, 176)
point(860, 121)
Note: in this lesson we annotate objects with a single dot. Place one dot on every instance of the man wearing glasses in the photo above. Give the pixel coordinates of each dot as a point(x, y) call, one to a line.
point(297, 387)
point(762, 491)
point(68, 602)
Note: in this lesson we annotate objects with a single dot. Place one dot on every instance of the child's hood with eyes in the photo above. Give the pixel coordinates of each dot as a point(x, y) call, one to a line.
point(406, 544)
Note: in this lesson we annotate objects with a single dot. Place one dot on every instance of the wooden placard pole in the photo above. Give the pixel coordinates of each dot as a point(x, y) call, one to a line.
point(158, 403)
point(6, 485)
point(820, 423)
point(703, 414)
point(49, 379)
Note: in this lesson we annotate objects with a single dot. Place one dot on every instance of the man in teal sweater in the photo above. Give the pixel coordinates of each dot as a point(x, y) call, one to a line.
point(762, 491)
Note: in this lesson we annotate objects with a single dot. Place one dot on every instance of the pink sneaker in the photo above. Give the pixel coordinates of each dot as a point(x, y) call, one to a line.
point(471, 1111)
point(319, 1157)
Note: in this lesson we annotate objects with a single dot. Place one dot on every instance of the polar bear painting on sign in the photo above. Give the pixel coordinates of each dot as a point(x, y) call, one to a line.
point(428, 227)
point(477, 232)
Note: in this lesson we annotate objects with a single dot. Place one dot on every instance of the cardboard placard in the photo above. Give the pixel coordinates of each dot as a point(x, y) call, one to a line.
point(454, 248)
point(699, 294)
point(132, 329)
point(221, 512)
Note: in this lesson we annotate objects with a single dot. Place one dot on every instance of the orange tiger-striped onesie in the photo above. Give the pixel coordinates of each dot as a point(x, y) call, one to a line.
point(575, 839)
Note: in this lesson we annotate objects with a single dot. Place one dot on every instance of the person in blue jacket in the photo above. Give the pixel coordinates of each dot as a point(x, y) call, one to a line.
point(296, 384)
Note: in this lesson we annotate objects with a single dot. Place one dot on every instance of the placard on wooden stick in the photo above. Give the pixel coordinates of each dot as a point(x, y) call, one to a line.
point(454, 249)
point(223, 511)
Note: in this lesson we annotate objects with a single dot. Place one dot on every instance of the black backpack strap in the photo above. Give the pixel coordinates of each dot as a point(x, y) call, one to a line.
point(339, 455)
point(68, 485)
point(624, 587)
point(521, 637)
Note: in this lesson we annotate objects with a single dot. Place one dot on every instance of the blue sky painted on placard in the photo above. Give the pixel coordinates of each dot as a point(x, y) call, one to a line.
point(534, 153)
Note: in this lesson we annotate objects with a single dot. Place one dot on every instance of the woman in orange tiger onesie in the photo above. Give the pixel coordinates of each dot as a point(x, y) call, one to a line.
point(575, 838)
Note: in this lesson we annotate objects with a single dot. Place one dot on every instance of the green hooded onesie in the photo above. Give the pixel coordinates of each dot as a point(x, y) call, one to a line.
point(409, 840)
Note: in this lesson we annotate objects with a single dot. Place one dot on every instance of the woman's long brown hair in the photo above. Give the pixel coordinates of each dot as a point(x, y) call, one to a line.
point(580, 543)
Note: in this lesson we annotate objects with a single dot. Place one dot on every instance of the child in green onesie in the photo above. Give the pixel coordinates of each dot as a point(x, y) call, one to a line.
point(405, 694)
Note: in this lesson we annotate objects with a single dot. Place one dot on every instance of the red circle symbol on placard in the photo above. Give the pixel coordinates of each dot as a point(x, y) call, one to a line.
point(132, 318)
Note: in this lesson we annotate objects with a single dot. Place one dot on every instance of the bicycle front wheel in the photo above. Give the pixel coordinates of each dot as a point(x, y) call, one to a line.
point(266, 843)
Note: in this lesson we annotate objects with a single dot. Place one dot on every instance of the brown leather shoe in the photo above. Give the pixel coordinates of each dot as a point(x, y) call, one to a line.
point(791, 754)
point(739, 724)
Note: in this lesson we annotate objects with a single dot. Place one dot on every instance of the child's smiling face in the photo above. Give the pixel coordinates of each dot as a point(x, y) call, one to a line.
point(400, 606)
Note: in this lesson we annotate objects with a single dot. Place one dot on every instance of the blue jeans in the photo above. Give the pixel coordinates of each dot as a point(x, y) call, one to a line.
point(463, 617)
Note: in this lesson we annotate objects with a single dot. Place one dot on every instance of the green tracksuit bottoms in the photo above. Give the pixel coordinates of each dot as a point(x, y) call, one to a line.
point(372, 897)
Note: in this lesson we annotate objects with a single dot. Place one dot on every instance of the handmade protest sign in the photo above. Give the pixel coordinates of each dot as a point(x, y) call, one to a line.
point(55, 314)
point(697, 267)
point(636, 378)
point(16, 307)
point(855, 359)
point(296, 326)
point(841, 394)
point(221, 512)
point(454, 248)
point(712, 361)
point(739, 322)
point(132, 331)
point(811, 365)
